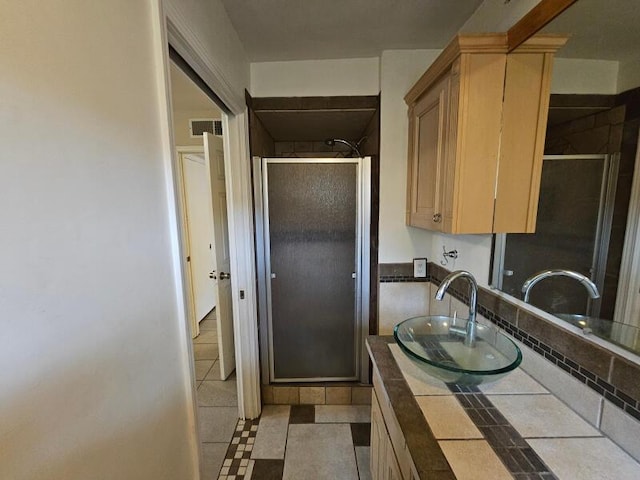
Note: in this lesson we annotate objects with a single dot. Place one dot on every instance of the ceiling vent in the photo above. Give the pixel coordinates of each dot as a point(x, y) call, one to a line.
point(197, 127)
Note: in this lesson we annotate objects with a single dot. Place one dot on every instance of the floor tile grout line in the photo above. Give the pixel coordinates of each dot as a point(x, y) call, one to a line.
point(286, 440)
point(355, 454)
point(206, 374)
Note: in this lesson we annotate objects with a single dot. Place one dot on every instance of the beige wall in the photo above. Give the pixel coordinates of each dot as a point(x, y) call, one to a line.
point(189, 102)
point(181, 125)
point(629, 75)
point(308, 78)
point(584, 76)
point(94, 359)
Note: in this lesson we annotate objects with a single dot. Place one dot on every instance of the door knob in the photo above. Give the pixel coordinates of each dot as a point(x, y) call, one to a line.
point(212, 274)
point(225, 276)
point(437, 218)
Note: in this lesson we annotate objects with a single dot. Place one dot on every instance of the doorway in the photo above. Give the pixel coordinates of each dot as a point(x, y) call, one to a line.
point(206, 261)
point(198, 227)
point(312, 221)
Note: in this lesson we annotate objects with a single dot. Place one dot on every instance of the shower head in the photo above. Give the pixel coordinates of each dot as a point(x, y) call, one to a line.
point(353, 146)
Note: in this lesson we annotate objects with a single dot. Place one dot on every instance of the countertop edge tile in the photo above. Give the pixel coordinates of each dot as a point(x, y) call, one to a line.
point(427, 456)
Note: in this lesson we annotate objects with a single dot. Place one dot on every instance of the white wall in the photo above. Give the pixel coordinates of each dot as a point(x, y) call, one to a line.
point(399, 70)
point(94, 359)
point(584, 76)
point(308, 78)
point(474, 253)
point(497, 15)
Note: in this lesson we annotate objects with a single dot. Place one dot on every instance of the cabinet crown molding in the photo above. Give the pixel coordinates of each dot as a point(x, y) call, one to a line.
point(476, 43)
point(481, 43)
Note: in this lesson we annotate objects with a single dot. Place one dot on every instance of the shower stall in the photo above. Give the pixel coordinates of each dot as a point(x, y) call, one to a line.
point(312, 230)
point(575, 211)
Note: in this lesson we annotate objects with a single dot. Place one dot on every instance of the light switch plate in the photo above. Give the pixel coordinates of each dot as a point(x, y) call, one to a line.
point(420, 267)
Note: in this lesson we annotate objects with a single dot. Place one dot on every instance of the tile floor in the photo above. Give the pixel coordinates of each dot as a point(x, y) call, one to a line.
point(217, 400)
point(322, 442)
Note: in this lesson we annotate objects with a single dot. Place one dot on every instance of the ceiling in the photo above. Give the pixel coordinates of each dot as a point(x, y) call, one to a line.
point(274, 30)
point(600, 30)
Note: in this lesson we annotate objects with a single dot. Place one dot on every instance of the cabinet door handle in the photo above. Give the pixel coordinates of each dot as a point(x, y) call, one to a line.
point(437, 218)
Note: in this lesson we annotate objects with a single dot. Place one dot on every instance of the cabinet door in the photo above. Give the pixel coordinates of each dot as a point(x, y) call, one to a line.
point(427, 137)
point(378, 455)
point(392, 468)
point(448, 176)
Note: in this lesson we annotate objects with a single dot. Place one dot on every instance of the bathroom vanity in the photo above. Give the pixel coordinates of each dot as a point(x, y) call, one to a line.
point(422, 428)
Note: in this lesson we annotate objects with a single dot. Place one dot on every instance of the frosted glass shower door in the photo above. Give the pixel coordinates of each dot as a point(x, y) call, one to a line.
point(312, 253)
point(572, 233)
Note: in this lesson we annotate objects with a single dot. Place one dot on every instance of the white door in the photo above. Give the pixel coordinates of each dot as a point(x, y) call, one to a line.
point(200, 233)
point(214, 158)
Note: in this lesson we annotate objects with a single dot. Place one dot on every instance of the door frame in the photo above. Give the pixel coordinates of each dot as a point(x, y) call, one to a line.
point(170, 27)
point(363, 274)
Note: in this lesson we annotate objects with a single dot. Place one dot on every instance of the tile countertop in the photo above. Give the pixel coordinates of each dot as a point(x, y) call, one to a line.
point(513, 428)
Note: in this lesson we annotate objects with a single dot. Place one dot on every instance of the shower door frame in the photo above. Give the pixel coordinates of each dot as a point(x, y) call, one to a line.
point(603, 227)
point(362, 266)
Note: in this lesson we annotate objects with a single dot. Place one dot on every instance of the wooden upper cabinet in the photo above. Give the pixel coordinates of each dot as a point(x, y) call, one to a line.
point(477, 119)
point(427, 138)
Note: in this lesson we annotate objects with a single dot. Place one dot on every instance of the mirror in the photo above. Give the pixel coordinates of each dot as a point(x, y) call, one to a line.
point(587, 178)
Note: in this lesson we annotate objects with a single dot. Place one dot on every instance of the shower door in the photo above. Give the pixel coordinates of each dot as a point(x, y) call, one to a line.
point(572, 232)
point(312, 231)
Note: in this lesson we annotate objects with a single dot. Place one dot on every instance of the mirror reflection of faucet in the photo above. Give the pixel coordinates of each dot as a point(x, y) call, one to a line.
point(580, 321)
point(537, 277)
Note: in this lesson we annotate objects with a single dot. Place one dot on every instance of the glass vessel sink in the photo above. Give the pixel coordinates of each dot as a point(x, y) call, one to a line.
point(436, 345)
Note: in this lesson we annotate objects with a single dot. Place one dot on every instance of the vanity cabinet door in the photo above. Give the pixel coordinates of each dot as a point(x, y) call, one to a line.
point(378, 455)
point(427, 154)
point(384, 464)
point(392, 470)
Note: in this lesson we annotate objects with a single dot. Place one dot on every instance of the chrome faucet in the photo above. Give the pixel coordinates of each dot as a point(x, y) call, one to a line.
point(585, 281)
point(470, 333)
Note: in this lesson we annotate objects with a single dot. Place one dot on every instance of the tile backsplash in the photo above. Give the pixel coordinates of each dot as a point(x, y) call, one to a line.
point(597, 383)
point(600, 385)
point(401, 295)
